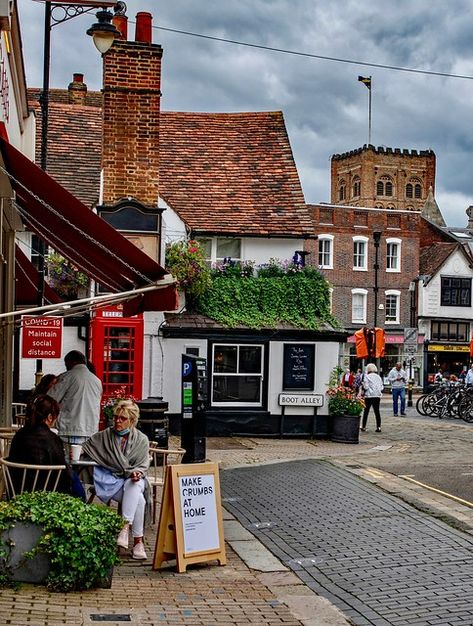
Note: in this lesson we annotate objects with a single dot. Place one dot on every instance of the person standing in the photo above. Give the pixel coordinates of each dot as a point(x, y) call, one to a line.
point(373, 388)
point(397, 377)
point(78, 393)
point(348, 379)
point(469, 376)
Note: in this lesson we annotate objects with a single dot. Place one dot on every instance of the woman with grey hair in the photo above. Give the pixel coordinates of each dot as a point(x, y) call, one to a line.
point(122, 454)
point(373, 389)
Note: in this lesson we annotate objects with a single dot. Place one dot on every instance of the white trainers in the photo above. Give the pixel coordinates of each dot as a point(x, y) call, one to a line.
point(139, 552)
point(123, 537)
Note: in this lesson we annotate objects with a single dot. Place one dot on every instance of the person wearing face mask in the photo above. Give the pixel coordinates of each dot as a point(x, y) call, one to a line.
point(122, 454)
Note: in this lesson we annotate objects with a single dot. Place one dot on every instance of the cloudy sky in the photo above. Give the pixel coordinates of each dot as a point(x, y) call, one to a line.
point(325, 107)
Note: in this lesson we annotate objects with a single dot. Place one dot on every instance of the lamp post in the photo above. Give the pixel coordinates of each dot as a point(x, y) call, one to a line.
point(103, 33)
point(376, 239)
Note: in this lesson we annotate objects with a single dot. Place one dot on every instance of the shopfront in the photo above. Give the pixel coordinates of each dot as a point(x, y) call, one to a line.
point(451, 358)
point(395, 351)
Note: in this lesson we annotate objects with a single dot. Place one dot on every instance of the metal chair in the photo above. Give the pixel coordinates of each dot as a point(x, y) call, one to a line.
point(159, 458)
point(21, 477)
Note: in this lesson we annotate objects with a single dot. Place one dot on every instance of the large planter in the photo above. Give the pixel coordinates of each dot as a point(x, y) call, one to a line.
point(345, 428)
point(20, 539)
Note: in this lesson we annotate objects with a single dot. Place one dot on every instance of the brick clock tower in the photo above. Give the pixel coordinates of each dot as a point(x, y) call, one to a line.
point(384, 178)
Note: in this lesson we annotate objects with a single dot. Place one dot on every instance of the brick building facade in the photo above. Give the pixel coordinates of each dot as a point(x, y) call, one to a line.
point(346, 254)
point(384, 178)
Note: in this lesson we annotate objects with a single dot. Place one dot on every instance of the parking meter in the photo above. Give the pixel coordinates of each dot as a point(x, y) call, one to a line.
point(193, 405)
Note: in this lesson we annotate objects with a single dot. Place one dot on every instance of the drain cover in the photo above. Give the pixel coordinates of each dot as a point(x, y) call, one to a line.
point(110, 617)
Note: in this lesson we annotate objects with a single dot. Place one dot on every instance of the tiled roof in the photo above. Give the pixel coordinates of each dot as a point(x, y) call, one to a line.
point(92, 99)
point(433, 257)
point(74, 148)
point(231, 173)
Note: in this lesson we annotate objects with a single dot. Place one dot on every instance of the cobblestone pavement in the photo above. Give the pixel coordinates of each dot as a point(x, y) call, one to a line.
point(378, 559)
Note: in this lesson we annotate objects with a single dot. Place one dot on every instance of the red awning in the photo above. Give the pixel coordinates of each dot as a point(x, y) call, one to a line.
point(81, 236)
point(27, 283)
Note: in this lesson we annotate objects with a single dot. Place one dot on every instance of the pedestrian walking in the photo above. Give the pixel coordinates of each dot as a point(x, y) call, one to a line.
point(397, 377)
point(78, 393)
point(373, 389)
point(469, 376)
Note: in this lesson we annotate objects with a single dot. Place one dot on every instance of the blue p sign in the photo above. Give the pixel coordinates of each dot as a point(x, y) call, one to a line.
point(187, 368)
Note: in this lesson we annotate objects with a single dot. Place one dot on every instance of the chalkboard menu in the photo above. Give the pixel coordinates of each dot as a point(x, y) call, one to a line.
point(299, 366)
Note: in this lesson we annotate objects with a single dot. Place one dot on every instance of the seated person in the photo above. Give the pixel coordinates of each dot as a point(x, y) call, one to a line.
point(122, 454)
point(36, 444)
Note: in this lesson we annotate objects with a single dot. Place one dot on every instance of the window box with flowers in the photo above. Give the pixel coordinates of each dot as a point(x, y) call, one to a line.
point(344, 407)
point(185, 260)
point(65, 278)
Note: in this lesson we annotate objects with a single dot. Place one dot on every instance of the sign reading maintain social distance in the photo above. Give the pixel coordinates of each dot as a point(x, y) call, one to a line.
point(41, 337)
point(190, 522)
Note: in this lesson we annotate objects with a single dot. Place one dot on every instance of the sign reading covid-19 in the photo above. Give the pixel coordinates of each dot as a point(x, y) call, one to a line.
point(42, 337)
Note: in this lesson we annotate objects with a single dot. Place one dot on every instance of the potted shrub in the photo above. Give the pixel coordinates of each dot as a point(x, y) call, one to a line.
point(344, 407)
point(58, 540)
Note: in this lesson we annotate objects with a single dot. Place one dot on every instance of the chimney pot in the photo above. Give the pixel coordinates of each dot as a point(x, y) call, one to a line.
point(121, 23)
point(78, 78)
point(143, 32)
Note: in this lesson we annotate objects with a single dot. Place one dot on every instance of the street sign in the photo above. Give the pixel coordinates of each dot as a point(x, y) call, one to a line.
point(410, 348)
point(42, 337)
point(410, 336)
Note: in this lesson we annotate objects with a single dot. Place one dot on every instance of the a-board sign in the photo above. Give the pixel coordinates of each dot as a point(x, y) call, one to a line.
point(301, 399)
point(41, 337)
point(190, 526)
point(299, 366)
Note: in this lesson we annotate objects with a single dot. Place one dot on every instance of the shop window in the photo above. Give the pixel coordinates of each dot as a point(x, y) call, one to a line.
point(325, 251)
point(237, 374)
point(392, 306)
point(455, 291)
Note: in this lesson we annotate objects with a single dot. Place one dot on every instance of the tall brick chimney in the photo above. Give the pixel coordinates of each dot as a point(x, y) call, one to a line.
point(131, 106)
point(77, 90)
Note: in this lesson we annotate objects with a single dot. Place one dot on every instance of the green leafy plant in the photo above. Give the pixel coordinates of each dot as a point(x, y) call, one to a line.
point(185, 260)
point(63, 276)
point(80, 539)
point(342, 400)
point(271, 294)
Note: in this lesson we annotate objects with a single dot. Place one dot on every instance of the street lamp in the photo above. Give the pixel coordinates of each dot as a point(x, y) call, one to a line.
point(103, 32)
point(376, 239)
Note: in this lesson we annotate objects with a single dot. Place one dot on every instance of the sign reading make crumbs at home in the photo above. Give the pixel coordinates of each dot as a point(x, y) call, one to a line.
point(190, 523)
point(299, 366)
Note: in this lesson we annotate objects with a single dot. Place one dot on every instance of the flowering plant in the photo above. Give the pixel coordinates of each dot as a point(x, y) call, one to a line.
point(63, 276)
point(185, 260)
point(342, 400)
point(110, 401)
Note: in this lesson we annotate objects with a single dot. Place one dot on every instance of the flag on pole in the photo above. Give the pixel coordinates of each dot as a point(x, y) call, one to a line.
point(366, 80)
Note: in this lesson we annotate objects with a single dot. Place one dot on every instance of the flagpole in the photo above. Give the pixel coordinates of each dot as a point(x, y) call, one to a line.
point(366, 80)
point(369, 114)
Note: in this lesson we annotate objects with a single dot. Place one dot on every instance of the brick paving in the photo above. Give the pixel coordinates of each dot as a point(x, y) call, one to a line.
point(204, 596)
point(378, 559)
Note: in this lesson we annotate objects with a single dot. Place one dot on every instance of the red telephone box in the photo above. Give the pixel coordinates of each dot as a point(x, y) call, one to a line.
point(116, 350)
